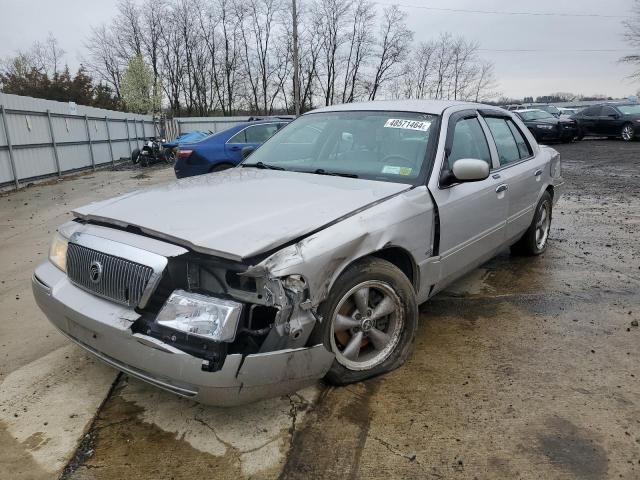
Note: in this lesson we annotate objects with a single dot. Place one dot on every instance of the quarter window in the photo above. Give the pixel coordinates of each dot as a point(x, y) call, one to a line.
point(508, 151)
point(469, 142)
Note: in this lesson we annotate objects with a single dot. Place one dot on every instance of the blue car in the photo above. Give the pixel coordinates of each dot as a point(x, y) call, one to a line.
point(223, 150)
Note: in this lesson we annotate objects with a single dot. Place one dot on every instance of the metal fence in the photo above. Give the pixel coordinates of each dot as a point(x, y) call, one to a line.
point(41, 138)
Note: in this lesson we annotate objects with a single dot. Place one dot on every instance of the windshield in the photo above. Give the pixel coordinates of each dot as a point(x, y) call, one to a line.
point(536, 115)
point(629, 109)
point(389, 146)
point(549, 108)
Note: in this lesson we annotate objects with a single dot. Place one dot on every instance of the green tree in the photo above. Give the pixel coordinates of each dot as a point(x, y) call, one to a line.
point(138, 87)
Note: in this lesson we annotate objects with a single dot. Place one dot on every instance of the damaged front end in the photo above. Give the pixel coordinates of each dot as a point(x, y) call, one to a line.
point(211, 307)
point(211, 329)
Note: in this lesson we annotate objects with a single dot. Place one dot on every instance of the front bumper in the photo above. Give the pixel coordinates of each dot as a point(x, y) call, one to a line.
point(103, 328)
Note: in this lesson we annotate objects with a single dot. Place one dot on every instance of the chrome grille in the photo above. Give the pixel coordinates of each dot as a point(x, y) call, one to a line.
point(118, 279)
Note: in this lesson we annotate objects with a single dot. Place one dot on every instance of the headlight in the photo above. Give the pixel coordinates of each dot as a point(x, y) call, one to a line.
point(545, 127)
point(58, 251)
point(200, 315)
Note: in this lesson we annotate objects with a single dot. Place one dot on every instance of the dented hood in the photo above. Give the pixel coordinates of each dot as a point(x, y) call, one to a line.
point(241, 212)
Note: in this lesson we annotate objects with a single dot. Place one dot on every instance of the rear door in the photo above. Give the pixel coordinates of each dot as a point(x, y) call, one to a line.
point(252, 136)
point(589, 119)
point(472, 215)
point(519, 169)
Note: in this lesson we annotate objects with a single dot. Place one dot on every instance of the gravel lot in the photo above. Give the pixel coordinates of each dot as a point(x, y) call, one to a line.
point(526, 368)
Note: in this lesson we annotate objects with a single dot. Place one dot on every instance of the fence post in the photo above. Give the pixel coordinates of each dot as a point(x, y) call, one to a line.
point(106, 122)
point(135, 129)
point(8, 136)
point(53, 142)
point(86, 124)
point(126, 121)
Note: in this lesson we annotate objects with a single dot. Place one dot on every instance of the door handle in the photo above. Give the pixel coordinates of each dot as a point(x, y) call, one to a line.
point(502, 188)
point(538, 173)
point(234, 149)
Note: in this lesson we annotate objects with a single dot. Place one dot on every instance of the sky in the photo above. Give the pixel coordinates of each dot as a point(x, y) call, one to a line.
point(560, 60)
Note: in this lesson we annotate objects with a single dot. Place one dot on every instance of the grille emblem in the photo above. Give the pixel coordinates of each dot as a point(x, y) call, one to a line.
point(95, 271)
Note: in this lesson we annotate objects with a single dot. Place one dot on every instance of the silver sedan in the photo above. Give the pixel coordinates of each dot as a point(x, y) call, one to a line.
point(308, 260)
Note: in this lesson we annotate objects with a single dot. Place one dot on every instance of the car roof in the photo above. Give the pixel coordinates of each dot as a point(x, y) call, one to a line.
point(530, 110)
point(434, 107)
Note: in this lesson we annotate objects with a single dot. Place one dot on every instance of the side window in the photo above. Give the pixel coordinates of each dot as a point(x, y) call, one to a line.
point(592, 112)
point(505, 142)
point(523, 146)
point(469, 142)
point(261, 133)
point(240, 137)
point(606, 111)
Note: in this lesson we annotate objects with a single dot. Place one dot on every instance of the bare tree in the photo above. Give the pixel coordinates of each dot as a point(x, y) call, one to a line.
point(329, 18)
point(104, 60)
point(393, 47)
point(361, 44)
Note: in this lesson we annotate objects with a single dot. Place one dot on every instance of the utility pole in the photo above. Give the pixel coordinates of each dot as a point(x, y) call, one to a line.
point(296, 62)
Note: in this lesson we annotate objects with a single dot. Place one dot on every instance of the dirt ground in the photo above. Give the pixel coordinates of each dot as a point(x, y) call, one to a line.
point(526, 368)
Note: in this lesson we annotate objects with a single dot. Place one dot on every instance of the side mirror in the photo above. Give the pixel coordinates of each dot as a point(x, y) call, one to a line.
point(470, 170)
point(614, 115)
point(246, 151)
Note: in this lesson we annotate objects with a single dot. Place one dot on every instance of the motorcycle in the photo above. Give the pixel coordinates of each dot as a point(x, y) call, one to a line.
point(153, 151)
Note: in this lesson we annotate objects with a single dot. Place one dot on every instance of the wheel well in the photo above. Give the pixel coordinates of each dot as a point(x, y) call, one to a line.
point(551, 191)
point(401, 259)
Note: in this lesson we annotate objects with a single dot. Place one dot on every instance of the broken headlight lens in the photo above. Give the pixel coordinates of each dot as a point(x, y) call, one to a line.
point(58, 251)
point(200, 315)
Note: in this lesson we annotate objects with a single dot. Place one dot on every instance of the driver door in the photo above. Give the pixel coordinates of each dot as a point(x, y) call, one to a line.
point(472, 215)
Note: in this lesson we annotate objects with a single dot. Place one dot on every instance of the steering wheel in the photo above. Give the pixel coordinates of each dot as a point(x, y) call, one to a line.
point(398, 161)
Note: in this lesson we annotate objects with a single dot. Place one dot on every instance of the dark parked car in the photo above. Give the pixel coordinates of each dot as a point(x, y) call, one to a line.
point(545, 127)
point(610, 120)
point(223, 150)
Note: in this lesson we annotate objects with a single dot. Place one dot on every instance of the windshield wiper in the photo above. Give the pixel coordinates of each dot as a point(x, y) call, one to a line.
point(263, 166)
point(322, 171)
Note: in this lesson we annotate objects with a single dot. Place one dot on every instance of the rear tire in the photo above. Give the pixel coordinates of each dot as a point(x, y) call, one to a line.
point(627, 133)
point(135, 156)
point(370, 320)
point(534, 241)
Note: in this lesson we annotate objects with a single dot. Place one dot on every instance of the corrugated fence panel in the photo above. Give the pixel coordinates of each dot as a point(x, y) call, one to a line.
point(34, 162)
point(28, 129)
point(101, 153)
point(74, 157)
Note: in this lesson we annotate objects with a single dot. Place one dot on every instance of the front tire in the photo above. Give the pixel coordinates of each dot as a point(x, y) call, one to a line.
point(627, 133)
point(369, 321)
point(135, 155)
point(534, 241)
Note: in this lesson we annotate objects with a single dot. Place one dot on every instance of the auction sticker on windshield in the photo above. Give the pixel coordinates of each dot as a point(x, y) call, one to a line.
point(407, 124)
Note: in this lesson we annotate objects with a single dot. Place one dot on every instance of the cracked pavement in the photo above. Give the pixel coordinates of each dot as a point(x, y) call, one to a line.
point(526, 368)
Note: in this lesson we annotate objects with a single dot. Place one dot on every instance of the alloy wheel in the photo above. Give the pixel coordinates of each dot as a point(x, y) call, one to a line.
point(627, 133)
point(543, 225)
point(367, 325)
